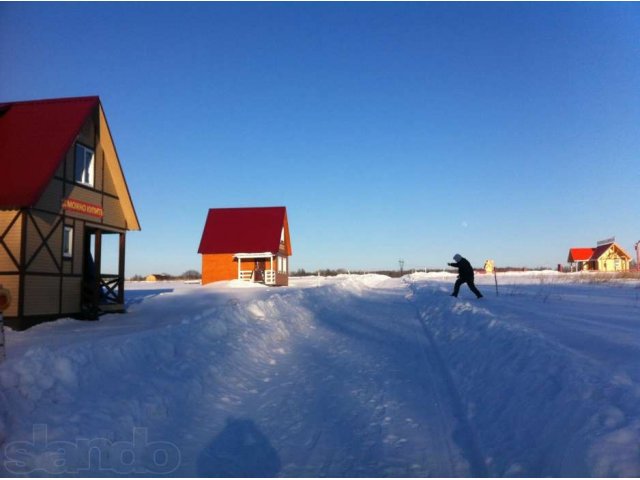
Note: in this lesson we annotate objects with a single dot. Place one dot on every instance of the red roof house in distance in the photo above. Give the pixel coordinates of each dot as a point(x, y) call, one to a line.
point(607, 256)
point(62, 189)
point(250, 244)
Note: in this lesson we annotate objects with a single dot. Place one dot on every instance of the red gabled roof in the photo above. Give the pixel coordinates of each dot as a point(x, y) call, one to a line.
point(580, 254)
point(243, 230)
point(34, 137)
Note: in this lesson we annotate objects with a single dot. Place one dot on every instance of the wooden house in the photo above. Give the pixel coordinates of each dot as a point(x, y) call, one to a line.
point(607, 256)
point(249, 244)
point(157, 277)
point(62, 190)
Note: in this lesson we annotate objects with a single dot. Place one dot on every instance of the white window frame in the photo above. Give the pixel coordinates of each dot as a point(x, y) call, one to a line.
point(87, 156)
point(67, 242)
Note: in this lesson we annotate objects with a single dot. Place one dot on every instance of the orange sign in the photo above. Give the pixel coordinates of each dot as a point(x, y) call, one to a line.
point(83, 207)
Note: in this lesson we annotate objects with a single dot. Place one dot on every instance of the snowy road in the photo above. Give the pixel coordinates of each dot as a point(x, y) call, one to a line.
point(359, 392)
point(347, 376)
point(367, 393)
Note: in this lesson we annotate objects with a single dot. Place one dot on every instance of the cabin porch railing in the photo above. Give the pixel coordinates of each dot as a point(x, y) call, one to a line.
point(246, 275)
point(270, 277)
point(110, 290)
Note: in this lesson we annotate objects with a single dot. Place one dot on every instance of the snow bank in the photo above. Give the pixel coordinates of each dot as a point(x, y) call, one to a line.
point(355, 375)
point(418, 276)
point(539, 407)
point(178, 348)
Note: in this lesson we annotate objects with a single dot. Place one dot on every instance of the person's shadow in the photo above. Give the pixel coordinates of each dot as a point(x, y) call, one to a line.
point(239, 450)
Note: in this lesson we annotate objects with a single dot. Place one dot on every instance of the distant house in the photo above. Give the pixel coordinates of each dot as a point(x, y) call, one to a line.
point(251, 244)
point(607, 256)
point(157, 277)
point(62, 190)
point(489, 266)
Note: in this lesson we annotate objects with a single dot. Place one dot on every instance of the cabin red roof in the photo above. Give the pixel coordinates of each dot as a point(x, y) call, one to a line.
point(580, 254)
point(244, 230)
point(34, 137)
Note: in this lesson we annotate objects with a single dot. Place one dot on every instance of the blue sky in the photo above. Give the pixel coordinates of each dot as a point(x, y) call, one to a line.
point(411, 130)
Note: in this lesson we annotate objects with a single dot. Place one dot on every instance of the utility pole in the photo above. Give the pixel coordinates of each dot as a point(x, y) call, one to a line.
point(401, 262)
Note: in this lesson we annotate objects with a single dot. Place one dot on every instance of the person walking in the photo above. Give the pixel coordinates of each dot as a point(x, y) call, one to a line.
point(465, 275)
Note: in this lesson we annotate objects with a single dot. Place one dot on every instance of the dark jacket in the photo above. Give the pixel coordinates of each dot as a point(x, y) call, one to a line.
point(465, 270)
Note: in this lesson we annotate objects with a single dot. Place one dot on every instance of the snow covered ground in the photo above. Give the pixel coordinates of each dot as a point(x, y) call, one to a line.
point(346, 376)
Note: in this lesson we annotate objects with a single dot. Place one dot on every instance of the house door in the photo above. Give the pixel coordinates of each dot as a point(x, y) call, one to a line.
point(258, 272)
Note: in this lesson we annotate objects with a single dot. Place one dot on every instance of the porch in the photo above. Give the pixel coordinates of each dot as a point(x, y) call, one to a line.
point(103, 292)
point(262, 267)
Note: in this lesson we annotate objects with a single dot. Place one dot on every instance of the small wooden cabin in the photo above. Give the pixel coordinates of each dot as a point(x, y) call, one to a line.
point(62, 190)
point(251, 244)
point(607, 256)
point(157, 277)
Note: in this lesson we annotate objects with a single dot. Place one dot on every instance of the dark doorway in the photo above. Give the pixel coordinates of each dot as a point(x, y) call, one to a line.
point(101, 291)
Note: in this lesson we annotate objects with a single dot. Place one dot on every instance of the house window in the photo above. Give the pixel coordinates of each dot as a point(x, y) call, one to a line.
point(85, 165)
point(282, 236)
point(282, 264)
point(67, 242)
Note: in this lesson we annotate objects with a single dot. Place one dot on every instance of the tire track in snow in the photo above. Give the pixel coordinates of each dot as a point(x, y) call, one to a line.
point(465, 435)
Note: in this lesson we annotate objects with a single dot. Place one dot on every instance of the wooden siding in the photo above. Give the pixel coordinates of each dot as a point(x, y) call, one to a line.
point(108, 185)
point(218, 266)
point(11, 240)
point(70, 166)
point(83, 194)
point(41, 294)
point(40, 258)
point(33, 240)
point(113, 215)
point(71, 295)
point(98, 179)
point(43, 262)
point(67, 267)
point(51, 199)
point(78, 247)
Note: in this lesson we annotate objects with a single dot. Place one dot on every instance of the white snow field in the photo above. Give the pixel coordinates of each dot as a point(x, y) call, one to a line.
point(346, 376)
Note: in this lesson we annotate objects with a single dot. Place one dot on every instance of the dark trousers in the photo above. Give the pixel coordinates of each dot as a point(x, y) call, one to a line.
point(470, 284)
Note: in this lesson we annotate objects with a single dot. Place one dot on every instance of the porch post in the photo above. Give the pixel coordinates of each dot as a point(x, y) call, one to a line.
point(121, 270)
point(98, 266)
point(239, 267)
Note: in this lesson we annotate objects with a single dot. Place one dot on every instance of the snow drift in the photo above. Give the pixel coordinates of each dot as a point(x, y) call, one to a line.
point(345, 376)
